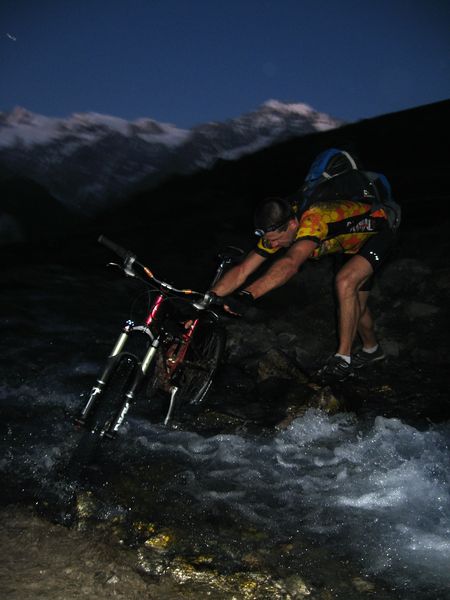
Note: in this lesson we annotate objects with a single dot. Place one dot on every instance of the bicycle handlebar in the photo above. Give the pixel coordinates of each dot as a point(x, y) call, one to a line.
point(119, 250)
point(129, 259)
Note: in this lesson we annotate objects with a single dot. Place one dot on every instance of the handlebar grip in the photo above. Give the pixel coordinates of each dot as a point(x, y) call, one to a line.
point(217, 300)
point(119, 250)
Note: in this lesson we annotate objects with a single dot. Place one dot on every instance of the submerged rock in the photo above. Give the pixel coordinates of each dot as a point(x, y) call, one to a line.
point(252, 585)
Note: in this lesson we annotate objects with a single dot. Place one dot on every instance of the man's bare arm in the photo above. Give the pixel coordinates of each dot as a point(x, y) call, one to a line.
point(283, 269)
point(236, 276)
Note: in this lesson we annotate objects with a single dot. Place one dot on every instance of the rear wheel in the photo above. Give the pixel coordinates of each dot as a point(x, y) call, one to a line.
point(193, 377)
point(196, 373)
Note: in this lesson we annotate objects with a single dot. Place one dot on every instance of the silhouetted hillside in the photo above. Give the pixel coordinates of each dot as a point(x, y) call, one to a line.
point(30, 214)
point(190, 213)
point(410, 147)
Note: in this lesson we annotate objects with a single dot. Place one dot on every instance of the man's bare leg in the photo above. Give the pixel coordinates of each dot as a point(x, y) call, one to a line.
point(366, 328)
point(348, 281)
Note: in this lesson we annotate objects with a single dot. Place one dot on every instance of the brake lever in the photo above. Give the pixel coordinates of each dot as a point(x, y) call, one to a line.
point(128, 265)
point(209, 299)
point(126, 268)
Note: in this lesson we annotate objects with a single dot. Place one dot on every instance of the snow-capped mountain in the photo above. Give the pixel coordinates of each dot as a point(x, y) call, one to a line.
point(87, 161)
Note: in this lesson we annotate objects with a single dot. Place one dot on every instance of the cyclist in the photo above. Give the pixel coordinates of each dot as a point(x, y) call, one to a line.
point(345, 227)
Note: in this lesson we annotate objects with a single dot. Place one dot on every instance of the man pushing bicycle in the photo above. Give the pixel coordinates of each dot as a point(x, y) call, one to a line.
point(340, 213)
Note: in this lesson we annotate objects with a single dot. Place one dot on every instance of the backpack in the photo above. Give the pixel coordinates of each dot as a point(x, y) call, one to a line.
point(335, 175)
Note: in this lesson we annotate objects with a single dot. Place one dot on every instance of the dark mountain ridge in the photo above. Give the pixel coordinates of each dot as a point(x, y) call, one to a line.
point(410, 147)
point(215, 205)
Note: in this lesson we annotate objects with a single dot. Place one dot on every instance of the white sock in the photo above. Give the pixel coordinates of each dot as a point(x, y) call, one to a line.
point(348, 359)
point(370, 350)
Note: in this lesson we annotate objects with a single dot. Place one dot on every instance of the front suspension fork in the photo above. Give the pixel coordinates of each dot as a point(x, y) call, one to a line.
point(129, 396)
point(111, 362)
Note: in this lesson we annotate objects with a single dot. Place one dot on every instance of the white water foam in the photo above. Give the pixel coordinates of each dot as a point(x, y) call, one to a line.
point(378, 492)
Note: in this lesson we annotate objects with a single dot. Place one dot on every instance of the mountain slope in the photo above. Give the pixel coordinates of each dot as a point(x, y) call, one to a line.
point(90, 162)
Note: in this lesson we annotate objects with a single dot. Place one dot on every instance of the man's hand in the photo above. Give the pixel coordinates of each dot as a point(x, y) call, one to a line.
point(238, 303)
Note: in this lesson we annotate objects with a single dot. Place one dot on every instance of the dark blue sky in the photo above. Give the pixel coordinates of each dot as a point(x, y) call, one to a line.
point(191, 61)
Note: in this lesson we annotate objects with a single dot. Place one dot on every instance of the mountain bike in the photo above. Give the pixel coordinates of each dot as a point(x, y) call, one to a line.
point(168, 360)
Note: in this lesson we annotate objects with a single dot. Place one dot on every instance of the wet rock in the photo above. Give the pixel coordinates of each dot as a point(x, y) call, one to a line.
point(194, 577)
point(391, 347)
point(325, 399)
point(183, 572)
point(363, 585)
point(234, 420)
point(233, 378)
point(160, 542)
point(151, 564)
point(418, 310)
point(404, 271)
point(297, 587)
point(442, 279)
point(245, 339)
point(275, 363)
point(318, 397)
point(273, 389)
point(287, 339)
point(245, 586)
point(252, 559)
point(85, 505)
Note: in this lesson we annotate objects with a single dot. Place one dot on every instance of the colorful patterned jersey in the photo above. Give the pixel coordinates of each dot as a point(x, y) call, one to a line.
point(336, 227)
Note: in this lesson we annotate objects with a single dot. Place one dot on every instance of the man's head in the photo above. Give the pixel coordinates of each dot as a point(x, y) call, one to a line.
point(276, 222)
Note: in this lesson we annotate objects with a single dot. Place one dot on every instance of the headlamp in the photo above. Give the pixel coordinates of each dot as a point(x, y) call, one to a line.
point(262, 232)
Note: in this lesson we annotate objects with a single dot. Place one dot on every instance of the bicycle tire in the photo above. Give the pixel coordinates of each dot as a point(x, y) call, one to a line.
point(102, 414)
point(196, 374)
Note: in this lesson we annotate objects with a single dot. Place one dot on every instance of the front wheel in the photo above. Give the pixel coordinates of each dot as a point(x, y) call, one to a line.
point(102, 415)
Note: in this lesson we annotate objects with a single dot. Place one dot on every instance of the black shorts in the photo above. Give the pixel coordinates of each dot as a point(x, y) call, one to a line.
point(376, 250)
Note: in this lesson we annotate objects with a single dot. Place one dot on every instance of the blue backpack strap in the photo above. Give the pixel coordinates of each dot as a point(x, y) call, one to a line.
point(320, 164)
point(384, 199)
point(386, 185)
point(380, 187)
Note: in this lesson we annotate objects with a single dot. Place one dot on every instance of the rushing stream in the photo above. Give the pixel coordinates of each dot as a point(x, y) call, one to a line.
point(331, 498)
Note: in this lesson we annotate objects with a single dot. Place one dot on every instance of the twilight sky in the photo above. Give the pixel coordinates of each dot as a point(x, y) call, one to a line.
point(191, 61)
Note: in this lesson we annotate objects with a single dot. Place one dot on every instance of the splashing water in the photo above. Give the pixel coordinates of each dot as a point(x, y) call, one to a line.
point(378, 492)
